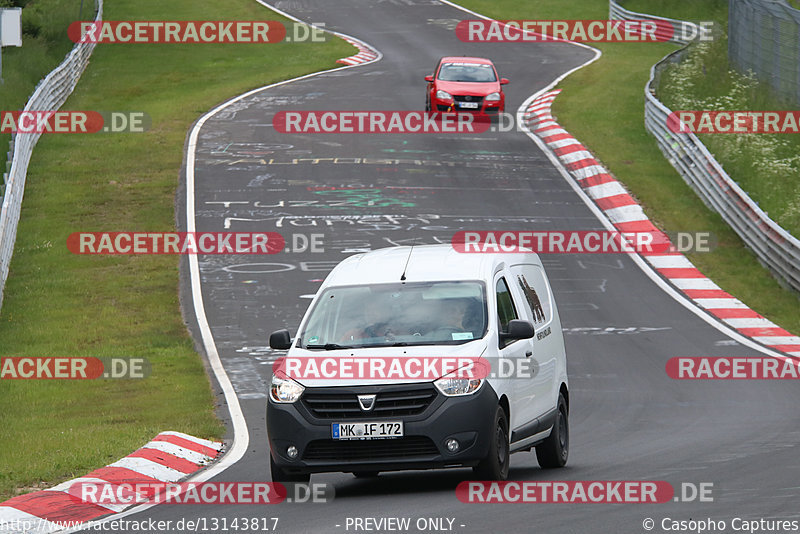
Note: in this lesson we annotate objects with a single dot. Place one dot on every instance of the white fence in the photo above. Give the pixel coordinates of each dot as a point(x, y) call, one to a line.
point(49, 95)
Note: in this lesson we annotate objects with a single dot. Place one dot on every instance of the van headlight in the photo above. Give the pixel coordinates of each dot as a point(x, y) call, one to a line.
point(455, 387)
point(493, 97)
point(285, 390)
point(443, 95)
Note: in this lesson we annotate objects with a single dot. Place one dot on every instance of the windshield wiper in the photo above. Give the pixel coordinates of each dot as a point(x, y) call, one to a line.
point(332, 346)
point(416, 343)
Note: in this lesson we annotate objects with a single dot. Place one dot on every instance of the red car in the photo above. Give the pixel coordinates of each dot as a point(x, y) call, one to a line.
point(466, 84)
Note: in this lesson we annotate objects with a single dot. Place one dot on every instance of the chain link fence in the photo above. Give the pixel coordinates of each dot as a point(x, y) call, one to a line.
point(49, 95)
point(764, 36)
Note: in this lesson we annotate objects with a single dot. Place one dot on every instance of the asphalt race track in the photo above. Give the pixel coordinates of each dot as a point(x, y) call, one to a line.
point(629, 420)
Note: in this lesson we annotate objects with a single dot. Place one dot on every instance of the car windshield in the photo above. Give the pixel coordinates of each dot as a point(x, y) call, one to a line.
point(384, 315)
point(467, 72)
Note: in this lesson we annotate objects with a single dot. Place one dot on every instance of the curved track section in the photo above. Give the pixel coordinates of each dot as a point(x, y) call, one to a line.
point(629, 421)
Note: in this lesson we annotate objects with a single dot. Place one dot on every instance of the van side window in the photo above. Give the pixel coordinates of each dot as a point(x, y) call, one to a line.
point(505, 308)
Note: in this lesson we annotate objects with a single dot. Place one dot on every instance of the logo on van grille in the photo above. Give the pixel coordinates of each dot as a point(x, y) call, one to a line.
point(367, 402)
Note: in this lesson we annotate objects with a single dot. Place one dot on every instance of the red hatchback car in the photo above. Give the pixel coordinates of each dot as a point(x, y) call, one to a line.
point(467, 84)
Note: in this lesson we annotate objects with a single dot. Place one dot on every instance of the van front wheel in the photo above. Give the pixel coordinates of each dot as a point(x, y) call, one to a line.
point(554, 451)
point(495, 465)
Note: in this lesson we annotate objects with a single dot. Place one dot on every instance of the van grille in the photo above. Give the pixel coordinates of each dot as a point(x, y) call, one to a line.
point(330, 449)
point(336, 404)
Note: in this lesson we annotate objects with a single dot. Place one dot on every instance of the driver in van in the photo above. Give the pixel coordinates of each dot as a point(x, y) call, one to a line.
point(376, 321)
point(452, 314)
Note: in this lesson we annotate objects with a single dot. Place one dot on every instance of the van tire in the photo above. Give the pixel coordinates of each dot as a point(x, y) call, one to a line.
point(554, 451)
point(495, 465)
point(280, 475)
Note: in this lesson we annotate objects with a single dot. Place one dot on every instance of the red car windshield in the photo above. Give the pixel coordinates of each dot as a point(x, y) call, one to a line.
point(467, 72)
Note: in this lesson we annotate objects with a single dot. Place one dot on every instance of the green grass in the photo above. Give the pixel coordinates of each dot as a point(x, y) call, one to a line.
point(603, 106)
point(44, 46)
point(766, 166)
point(60, 304)
point(694, 10)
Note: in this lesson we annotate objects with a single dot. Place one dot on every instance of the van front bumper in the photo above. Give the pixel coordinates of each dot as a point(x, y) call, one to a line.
point(467, 419)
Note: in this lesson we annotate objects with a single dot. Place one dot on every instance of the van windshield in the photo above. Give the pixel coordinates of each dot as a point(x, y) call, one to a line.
point(385, 315)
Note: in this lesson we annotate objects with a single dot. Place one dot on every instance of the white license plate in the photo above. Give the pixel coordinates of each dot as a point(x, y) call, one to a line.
point(367, 430)
point(468, 105)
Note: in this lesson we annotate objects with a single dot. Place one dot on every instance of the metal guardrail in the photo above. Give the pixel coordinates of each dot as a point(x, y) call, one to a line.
point(764, 36)
point(49, 95)
point(775, 248)
point(683, 32)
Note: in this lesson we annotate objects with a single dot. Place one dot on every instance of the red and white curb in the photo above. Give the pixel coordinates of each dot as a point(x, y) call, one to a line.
point(169, 457)
point(627, 216)
point(366, 54)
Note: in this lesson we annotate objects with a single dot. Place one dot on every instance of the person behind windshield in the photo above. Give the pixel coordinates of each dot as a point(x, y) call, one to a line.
point(375, 318)
point(452, 313)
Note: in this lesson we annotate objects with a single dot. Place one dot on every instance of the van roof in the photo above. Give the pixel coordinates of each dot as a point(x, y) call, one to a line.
point(426, 263)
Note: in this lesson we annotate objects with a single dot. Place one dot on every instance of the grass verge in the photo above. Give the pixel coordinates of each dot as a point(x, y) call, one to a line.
point(603, 106)
point(44, 25)
point(59, 304)
point(766, 166)
point(694, 10)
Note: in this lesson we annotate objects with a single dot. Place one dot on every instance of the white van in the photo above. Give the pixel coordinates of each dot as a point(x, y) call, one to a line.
point(424, 302)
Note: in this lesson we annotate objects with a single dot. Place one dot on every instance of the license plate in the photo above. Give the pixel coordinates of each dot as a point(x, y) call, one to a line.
point(468, 105)
point(368, 430)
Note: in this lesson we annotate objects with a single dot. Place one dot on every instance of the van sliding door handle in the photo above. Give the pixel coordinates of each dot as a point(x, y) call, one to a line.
point(528, 354)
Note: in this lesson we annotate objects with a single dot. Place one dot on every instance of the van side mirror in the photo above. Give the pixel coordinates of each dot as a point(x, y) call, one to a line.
point(504, 81)
point(280, 339)
point(518, 329)
point(429, 78)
